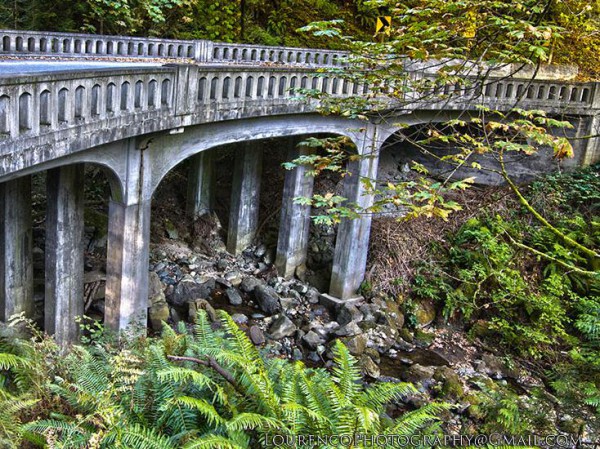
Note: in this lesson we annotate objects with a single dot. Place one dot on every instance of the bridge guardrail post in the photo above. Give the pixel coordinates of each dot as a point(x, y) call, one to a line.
point(185, 89)
point(596, 96)
point(203, 50)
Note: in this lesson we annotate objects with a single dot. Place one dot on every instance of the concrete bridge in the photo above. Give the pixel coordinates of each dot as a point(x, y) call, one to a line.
point(138, 123)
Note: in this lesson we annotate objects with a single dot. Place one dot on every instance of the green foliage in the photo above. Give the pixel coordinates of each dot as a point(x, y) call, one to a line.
point(534, 305)
point(208, 388)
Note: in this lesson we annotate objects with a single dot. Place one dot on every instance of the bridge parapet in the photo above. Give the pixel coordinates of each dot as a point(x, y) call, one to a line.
point(67, 112)
point(25, 43)
point(506, 93)
point(38, 105)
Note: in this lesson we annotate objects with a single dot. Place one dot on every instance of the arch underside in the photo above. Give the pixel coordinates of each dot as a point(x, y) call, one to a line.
point(163, 150)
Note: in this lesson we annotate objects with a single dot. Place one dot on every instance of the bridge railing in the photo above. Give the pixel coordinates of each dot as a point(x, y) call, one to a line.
point(33, 106)
point(36, 105)
point(504, 93)
point(78, 45)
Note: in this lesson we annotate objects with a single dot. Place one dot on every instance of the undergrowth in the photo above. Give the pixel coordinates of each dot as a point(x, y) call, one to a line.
point(204, 388)
point(518, 287)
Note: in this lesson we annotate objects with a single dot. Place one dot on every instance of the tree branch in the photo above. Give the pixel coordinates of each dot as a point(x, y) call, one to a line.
point(213, 364)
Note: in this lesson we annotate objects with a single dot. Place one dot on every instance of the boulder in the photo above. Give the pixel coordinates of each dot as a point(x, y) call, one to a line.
point(282, 327)
point(201, 304)
point(267, 299)
point(312, 340)
point(248, 284)
point(357, 344)
point(347, 313)
point(256, 335)
point(234, 297)
point(425, 312)
point(418, 374)
point(186, 291)
point(158, 313)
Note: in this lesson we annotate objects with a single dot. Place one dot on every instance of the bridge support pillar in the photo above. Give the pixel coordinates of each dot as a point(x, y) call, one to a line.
point(127, 265)
point(16, 263)
point(64, 252)
point(200, 185)
point(245, 194)
point(592, 145)
point(352, 242)
point(292, 244)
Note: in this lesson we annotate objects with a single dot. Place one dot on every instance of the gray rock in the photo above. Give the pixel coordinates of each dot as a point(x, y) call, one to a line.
point(297, 354)
point(239, 318)
point(234, 297)
point(369, 367)
point(282, 327)
point(348, 313)
point(260, 250)
point(348, 330)
point(267, 299)
point(190, 291)
point(418, 374)
point(312, 295)
point(234, 277)
point(312, 340)
point(248, 284)
point(257, 336)
point(357, 344)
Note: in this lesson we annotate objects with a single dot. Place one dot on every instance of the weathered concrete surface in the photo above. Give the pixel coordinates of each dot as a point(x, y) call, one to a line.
point(522, 168)
point(245, 194)
point(64, 252)
point(292, 243)
point(127, 265)
point(352, 242)
point(16, 264)
point(200, 193)
point(592, 144)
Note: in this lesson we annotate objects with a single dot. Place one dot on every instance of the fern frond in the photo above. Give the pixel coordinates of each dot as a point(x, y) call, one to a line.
point(410, 423)
point(346, 373)
point(137, 437)
point(380, 394)
point(213, 442)
point(11, 361)
point(203, 407)
point(250, 421)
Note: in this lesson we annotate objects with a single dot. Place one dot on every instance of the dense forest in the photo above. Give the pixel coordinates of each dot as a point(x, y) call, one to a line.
point(276, 22)
point(481, 311)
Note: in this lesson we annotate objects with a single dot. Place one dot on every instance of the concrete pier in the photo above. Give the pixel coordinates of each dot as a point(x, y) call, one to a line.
point(352, 242)
point(200, 193)
point(292, 243)
point(127, 265)
point(245, 194)
point(64, 252)
point(16, 264)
